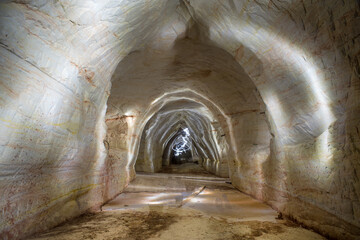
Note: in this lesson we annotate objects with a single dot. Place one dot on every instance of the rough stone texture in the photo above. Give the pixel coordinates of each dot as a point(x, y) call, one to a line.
point(309, 81)
point(161, 129)
point(57, 59)
point(159, 89)
point(278, 82)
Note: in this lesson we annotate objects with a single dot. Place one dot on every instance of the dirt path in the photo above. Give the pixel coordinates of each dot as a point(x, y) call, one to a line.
point(195, 208)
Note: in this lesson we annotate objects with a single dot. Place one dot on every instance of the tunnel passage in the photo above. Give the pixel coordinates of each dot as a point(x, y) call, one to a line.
point(268, 89)
point(180, 121)
point(181, 158)
point(181, 147)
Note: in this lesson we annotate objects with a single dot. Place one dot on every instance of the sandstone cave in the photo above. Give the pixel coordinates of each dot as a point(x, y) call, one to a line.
point(180, 119)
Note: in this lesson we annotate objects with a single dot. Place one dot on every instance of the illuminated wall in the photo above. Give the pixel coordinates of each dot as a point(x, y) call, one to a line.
point(277, 83)
point(57, 59)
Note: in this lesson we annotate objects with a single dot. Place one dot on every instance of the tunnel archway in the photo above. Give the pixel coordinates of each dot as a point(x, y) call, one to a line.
point(181, 147)
point(278, 80)
point(203, 129)
point(245, 126)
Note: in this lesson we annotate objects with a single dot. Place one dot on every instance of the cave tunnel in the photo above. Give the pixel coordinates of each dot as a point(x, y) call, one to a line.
point(181, 148)
point(180, 119)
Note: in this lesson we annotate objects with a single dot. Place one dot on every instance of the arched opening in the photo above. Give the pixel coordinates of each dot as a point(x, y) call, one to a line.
point(95, 97)
point(181, 147)
point(183, 131)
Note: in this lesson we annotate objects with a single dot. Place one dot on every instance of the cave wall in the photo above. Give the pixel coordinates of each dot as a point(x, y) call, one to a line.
point(57, 59)
point(279, 78)
point(303, 58)
point(164, 126)
point(147, 84)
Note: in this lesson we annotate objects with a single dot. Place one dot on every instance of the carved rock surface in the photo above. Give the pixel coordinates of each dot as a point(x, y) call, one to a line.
point(270, 91)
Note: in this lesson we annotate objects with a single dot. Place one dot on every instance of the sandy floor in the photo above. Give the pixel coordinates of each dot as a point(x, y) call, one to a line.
point(185, 169)
point(181, 207)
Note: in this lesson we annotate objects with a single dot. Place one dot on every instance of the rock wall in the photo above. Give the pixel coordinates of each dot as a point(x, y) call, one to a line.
point(162, 127)
point(57, 59)
point(162, 88)
point(303, 58)
point(277, 83)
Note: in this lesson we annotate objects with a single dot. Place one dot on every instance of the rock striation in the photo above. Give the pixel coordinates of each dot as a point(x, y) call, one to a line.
point(91, 90)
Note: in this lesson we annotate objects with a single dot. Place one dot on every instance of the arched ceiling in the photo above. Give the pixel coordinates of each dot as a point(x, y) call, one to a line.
point(165, 124)
point(188, 65)
point(190, 70)
point(280, 78)
point(288, 69)
point(272, 71)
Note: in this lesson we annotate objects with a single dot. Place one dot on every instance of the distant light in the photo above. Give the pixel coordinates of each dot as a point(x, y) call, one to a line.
point(182, 143)
point(186, 131)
